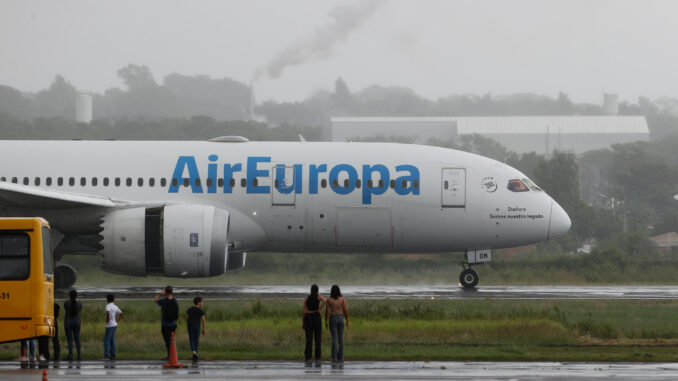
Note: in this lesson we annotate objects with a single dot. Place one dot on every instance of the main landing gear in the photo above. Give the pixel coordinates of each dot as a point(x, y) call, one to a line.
point(64, 277)
point(469, 277)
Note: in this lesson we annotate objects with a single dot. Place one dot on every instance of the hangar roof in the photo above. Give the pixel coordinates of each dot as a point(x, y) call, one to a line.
point(523, 124)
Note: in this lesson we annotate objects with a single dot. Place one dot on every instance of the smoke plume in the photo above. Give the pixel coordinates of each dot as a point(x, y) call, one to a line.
point(345, 19)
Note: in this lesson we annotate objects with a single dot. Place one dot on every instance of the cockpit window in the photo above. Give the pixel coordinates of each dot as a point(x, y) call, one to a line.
point(516, 185)
point(532, 185)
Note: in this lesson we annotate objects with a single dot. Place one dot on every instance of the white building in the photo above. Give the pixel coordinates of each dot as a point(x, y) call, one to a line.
point(521, 134)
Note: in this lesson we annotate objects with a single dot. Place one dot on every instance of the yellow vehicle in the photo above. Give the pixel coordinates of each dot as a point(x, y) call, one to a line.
point(26, 279)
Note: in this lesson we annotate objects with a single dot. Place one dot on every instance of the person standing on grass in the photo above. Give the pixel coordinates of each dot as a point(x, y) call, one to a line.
point(195, 318)
point(72, 308)
point(170, 313)
point(55, 339)
point(112, 311)
point(312, 323)
point(337, 312)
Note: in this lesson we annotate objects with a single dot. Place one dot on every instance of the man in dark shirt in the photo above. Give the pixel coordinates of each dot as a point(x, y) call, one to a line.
point(55, 339)
point(195, 318)
point(170, 313)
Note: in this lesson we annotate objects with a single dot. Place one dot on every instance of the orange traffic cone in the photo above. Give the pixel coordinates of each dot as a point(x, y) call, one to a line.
point(44, 375)
point(173, 362)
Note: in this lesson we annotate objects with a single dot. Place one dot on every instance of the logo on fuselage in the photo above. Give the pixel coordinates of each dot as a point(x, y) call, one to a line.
point(489, 184)
point(374, 179)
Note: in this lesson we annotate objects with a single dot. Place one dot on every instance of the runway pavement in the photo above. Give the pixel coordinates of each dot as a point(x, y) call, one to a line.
point(246, 370)
point(392, 292)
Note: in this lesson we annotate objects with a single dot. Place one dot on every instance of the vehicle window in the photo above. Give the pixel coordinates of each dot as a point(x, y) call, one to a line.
point(36, 181)
point(47, 257)
point(163, 182)
point(175, 182)
point(83, 181)
point(60, 181)
point(532, 185)
point(105, 181)
point(516, 185)
point(151, 182)
point(94, 181)
point(71, 181)
point(14, 180)
point(25, 180)
point(140, 182)
point(48, 181)
point(3, 179)
point(117, 181)
point(128, 181)
point(14, 256)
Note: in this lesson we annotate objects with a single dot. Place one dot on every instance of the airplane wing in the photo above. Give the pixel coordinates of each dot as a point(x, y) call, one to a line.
point(33, 197)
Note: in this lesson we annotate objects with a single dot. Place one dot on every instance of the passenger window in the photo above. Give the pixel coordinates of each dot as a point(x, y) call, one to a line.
point(369, 183)
point(83, 181)
point(47, 257)
point(346, 183)
point(404, 184)
point(323, 183)
point(117, 181)
point(381, 183)
point(60, 181)
point(335, 183)
point(14, 256)
point(358, 183)
point(95, 181)
point(14, 180)
point(516, 185)
point(151, 182)
point(187, 182)
point(128, 182)
point(220, 183)
point(175, 182)
point(25, 180)
point(231, 182)
point(392, 184)
point(243, 183)
point(197, 182)
point(105, 181)
point(71, 181)
point(140, 182)
point(415, 184)
point(3, 179)
point(48, 181)
point(163, 182)
point(208, 182)
point(36, 181)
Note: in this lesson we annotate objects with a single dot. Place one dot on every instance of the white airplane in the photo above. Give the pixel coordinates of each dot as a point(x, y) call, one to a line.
point(193, 209)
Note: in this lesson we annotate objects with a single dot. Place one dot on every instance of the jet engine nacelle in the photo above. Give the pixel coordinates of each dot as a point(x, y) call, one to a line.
point(175, 241)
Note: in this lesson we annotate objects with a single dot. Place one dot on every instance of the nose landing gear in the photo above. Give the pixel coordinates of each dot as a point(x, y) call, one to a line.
point(469, 277)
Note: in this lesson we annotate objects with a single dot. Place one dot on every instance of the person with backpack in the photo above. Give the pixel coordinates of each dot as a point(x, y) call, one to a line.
point(170, 313)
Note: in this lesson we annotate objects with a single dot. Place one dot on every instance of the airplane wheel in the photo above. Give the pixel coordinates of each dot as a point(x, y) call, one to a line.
point(64, 276)
point(469, 278)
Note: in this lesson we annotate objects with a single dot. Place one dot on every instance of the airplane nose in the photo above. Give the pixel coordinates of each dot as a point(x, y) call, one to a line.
point(560, 221)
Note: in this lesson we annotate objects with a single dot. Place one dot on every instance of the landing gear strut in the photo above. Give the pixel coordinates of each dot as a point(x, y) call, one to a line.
point(64, 276)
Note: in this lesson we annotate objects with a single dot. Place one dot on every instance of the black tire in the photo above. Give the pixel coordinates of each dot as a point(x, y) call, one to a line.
point(64, 277)
point(469, 278)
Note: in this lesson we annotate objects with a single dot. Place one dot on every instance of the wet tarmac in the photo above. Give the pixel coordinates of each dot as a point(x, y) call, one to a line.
point(392, 292)
point(261, 370)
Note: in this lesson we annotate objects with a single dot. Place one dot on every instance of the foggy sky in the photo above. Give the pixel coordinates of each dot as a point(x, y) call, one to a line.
point(435, 47)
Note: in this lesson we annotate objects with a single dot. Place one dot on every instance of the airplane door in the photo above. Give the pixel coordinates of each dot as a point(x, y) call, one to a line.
point(453, 188)
point(283, 185)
